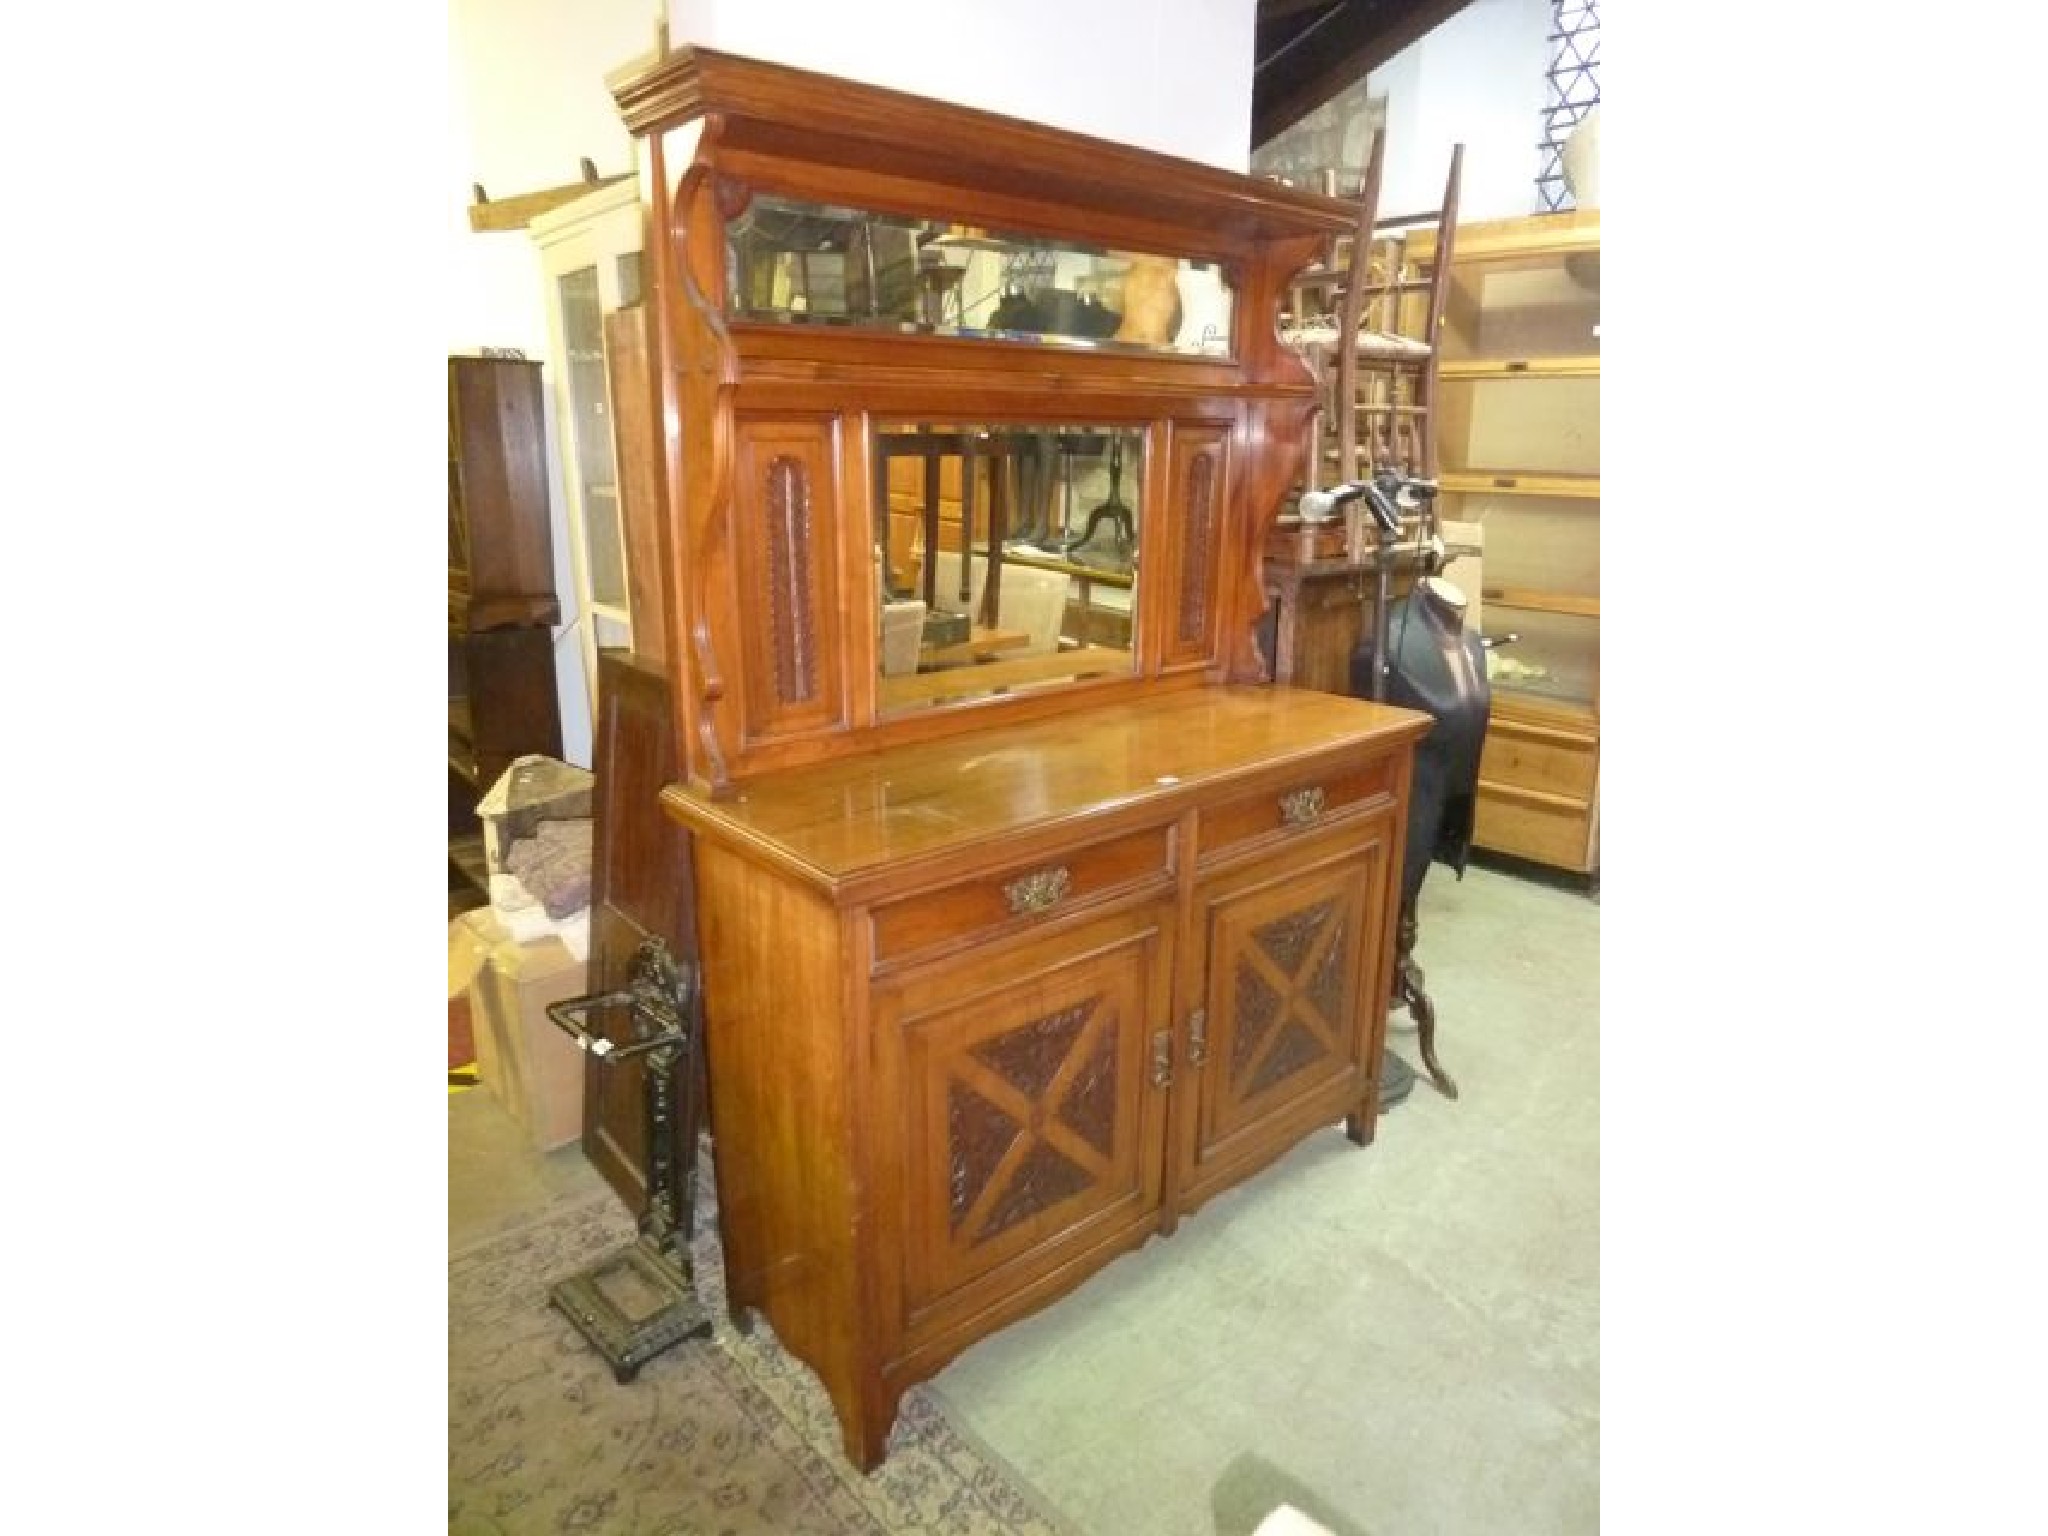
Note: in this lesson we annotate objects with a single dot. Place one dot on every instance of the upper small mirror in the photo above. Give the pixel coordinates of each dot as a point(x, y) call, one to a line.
point(806, 263)
point(1006, 557)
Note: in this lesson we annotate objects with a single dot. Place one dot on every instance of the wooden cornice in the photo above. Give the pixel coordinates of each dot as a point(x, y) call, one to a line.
point(775, 110)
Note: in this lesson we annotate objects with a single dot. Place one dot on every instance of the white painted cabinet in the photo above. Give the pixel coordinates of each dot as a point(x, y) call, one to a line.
point(590, 266)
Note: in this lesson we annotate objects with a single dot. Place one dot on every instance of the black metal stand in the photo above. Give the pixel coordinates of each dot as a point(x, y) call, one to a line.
point(641, 1300)
point(1396, 1076)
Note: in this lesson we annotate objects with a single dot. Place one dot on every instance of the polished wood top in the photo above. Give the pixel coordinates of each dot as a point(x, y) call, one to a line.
point(856, 815)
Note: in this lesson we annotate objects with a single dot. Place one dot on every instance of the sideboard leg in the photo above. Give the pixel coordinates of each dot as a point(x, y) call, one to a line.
point(865, 1430)
point(1360, 1124)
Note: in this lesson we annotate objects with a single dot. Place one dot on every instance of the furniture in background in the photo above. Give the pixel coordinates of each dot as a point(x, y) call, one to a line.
point(641, 1300)
point(1367, 317)
point(590, 256)
point(1012, 962)
point(1519, 424)
point(501, 594)
point(641, 893)
point(642, 890)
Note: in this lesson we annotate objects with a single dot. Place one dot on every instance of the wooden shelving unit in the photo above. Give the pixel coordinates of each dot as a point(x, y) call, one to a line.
point(1519, 424)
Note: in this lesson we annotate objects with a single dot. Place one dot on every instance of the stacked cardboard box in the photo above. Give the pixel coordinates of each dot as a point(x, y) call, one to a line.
point(523, 1057)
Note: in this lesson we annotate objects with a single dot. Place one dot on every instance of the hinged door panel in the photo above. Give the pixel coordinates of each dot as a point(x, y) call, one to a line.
point(1285, 1017)
point(1030, 1081)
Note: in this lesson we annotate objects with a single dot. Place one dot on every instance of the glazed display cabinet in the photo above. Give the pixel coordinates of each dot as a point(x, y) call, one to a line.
point(590, 255)
point(1031, 914)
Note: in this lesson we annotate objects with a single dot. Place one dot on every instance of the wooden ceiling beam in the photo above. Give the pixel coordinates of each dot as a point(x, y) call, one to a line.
point(488, 215)
point(1345, 48)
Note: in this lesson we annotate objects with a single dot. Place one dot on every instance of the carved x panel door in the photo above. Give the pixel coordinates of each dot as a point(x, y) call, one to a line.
point(1282, 1032)
point(1033, 1127)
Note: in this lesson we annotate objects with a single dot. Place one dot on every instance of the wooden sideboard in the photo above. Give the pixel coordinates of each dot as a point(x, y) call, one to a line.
point(1022, 933)
point(986, 1012)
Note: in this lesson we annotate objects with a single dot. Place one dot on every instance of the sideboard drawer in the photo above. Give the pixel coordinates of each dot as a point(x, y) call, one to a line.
point(1315, 799)
point(986, 905)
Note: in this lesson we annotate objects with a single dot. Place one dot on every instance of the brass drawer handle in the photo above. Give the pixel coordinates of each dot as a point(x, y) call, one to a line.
point(1302, 806)
point(1038, 890)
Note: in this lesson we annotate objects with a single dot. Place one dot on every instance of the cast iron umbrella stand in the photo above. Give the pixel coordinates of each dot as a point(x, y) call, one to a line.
point(640, 1300)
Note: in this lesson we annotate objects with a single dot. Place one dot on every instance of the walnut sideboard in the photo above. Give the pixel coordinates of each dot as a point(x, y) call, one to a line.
point(1030, 913)
point(983, 1014)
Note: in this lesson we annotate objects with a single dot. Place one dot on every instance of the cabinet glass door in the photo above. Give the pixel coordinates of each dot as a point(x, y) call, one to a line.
point(590, 267)
point(593, 467)
point(1519, 426)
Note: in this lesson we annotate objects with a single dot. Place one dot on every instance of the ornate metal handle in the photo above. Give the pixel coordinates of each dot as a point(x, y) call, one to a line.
point(1301, 806)
point(1162, 1058)
point(1198, 1037)
point(1038, 890)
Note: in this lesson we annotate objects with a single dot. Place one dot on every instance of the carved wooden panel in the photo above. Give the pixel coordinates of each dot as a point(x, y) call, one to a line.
point(785, 516)
point(1031, 1123)
point(1287, 958)
point(1200, 487)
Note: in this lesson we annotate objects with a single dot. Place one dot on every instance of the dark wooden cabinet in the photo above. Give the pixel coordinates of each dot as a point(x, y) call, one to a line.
point(501, 595)
point(1023, 933)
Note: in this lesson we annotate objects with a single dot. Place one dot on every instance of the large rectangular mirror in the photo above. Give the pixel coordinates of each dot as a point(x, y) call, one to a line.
point(1006, 557)
point(806, 263)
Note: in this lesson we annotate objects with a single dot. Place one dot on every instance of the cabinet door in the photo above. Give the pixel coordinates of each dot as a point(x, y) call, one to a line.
point(1288, 1017)
point(1023, 1081)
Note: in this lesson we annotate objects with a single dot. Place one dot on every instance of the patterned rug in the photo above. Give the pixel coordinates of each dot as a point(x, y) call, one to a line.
point(725, 1436)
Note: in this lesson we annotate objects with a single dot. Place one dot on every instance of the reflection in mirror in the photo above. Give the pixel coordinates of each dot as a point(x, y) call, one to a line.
point(805, 262)
point(1006, 557)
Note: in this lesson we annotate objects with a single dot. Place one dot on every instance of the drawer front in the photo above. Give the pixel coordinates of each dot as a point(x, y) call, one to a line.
point(1557, 834)
point(1249, 820)
point(1016, 895)
point(1546, 762)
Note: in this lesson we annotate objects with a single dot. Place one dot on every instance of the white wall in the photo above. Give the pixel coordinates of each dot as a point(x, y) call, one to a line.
point(1168, 75)
point(1476, 79)
point(527, 103)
